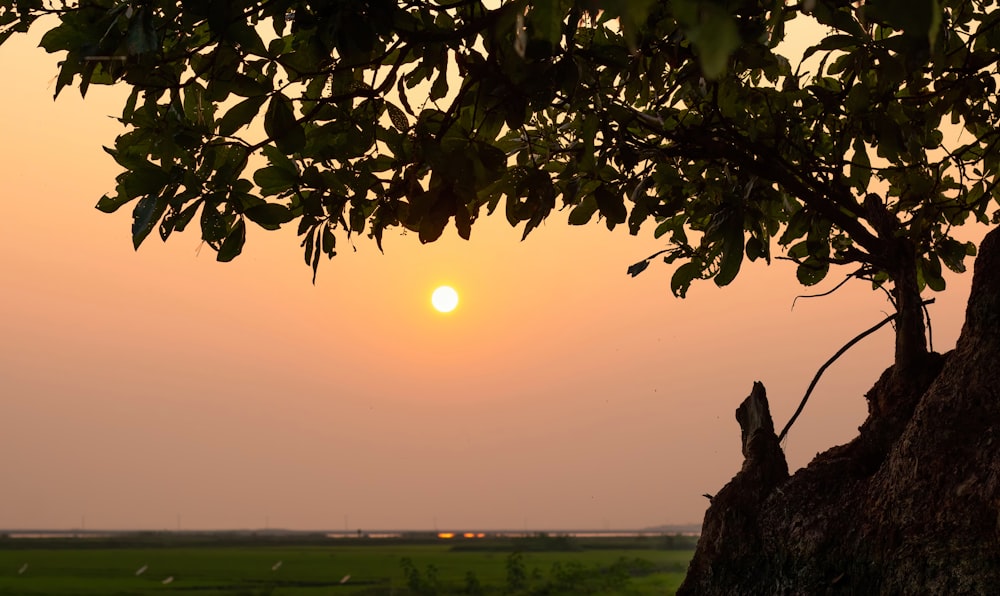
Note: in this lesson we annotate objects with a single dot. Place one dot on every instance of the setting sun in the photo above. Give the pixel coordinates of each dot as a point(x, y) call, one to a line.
point(444, 299)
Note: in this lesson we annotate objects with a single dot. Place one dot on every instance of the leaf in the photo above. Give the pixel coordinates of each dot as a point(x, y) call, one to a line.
point(269, 216)
point(716, 37)
point(433, 222)
point(198, 109)
point(681, 280)
point(754, 248)
point(919, 19)
point(440, 87)
point(732, 254)
point(860, 171)
point(931, 270)
point(582, 213)
point(240, 115)
point(232, 246)
point(143, 179)
point(812, 271)
point(281, 125)
point(110, 204)
point(274, 180)
point(633, 15)
point(397, 117)
point(141, 37)
point(833, 42)
point(184, 217)
point(953, 253)
point(546, 20)
point(611, 205)
point(840, 18)
point(637, 268)
point(213, 225)
point(147, 212)
point(463, 221)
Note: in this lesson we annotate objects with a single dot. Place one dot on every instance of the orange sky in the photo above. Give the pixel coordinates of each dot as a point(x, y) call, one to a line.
point(142, 388)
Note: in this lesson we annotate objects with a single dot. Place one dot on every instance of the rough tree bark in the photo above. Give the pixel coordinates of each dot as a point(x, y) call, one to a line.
point(911, 506)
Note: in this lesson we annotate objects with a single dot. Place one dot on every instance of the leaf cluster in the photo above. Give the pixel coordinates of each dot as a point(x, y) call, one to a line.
point(357, 116)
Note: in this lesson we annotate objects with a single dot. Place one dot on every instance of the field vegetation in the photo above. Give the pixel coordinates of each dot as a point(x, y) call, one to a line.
point(238, 565)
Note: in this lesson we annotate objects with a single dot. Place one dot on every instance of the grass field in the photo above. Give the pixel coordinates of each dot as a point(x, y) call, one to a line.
point(374, 568)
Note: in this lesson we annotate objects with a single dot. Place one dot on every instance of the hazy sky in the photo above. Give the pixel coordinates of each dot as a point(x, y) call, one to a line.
point(139, 389)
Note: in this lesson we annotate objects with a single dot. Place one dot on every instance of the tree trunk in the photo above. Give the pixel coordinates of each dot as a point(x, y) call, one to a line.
point(911, 340)
point(911, 506)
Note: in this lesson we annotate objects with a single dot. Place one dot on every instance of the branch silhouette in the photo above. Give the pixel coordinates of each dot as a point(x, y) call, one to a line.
point(840, 352)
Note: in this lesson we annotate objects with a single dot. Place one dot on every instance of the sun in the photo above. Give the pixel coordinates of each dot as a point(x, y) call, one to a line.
point(444, 299)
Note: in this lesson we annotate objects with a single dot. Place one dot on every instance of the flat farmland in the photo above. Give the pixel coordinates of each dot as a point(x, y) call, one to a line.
point(247, 566)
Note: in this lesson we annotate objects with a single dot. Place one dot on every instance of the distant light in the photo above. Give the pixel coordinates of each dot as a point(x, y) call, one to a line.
point(480, 535)
point(446, 535)
point(444, 299)
point(141, 570)
point(469, 535)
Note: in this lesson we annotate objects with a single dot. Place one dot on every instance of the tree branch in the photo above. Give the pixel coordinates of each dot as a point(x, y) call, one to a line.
point(827, 364)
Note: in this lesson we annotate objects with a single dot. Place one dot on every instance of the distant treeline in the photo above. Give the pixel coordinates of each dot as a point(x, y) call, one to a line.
point(541, 542)
point(544, 542)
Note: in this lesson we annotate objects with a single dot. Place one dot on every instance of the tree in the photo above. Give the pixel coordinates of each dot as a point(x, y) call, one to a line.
point(867, 151)
point(684, 114)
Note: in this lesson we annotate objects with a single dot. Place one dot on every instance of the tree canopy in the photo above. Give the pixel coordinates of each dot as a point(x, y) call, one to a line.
point(682, 117)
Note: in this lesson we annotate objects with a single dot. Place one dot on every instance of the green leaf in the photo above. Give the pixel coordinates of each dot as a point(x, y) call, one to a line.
point(681, 280)
point(732, 254)
point(433, 223)
point(281, 125)
point(716, 37)
point(213, 224)
point(839, 17)
point(920, 19)
point(611, 205)
point(240, 115)
point(198, 109)
point(141, 37)
point(110, 204)
point(147, 212)
point(143, 180)
point(754, 249)
point(440, 87)
point(328, 243)
point(546, 18)
point(860, 171)
point(463, 221)
point(833, 42)
point(582, 213)
point(812, 271)
point(633, 15)
point(232, 246)
point(397, 117)
point(269, 215)
point(953, 253)
point(274, 180)
point(931, 270)
point(637, 268)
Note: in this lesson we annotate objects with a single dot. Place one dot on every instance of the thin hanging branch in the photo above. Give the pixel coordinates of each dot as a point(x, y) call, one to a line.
point(827, 293)
point(927, 320)
point(827, 364)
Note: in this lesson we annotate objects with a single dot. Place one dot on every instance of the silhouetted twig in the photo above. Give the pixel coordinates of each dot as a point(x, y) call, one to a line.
point(827, 364)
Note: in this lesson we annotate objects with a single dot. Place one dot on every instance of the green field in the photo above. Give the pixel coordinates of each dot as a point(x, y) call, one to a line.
point(375, 567)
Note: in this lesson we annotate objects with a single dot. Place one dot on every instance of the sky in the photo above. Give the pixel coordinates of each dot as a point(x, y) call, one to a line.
point(160, 389)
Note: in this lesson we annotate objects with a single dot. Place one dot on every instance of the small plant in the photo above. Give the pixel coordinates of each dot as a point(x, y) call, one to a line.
point(421, 584)
point(517, 573)
point(472, 585)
